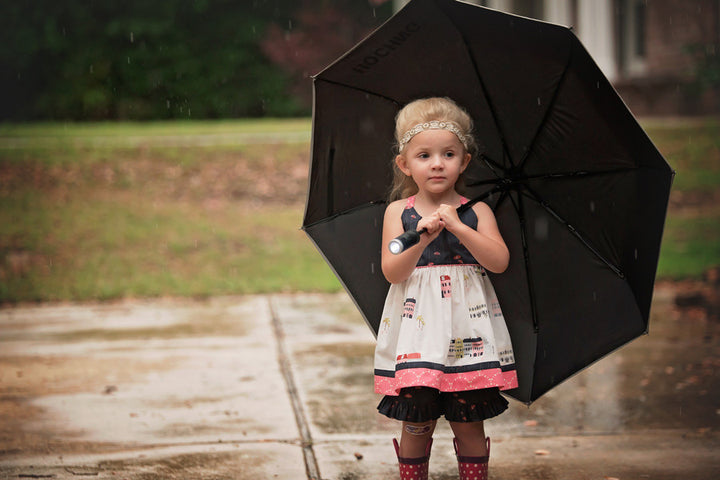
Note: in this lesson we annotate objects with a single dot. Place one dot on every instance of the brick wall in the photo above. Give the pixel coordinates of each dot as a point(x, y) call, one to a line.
point(672, 26)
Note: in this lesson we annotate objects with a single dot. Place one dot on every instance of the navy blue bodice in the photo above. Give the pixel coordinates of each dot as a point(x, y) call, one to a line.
point(446, 249)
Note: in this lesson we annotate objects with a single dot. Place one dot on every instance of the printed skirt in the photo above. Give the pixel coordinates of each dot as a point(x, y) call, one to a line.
point(443, 328)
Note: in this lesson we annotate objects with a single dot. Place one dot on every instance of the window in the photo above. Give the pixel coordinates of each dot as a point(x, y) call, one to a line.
point(632, 30)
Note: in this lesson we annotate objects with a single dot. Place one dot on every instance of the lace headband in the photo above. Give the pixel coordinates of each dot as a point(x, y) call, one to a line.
point(432, 125)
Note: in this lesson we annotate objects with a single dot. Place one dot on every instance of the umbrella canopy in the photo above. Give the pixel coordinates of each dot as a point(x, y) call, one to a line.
point(579, 191)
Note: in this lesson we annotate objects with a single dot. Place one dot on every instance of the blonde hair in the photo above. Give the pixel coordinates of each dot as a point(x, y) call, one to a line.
point(424, 110)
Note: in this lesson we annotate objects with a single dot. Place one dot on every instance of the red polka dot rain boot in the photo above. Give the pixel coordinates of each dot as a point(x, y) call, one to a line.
point(473, 468)
point(413, 468)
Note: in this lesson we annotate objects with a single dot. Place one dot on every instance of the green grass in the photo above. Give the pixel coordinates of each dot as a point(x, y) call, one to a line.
point(76, 131)
point(72, 144)
point(693, 150)
point(105, 211)
point(691, 243)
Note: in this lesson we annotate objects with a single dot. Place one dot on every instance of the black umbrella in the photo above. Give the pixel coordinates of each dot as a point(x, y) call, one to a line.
point(579, 191)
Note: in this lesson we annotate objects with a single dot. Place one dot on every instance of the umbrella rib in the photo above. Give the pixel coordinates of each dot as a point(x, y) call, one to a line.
point(492, 164)
point(583, 173)
point(329, 181)
point(574, 231)
point(519, 208)
point(363, 90)
point(547, 176)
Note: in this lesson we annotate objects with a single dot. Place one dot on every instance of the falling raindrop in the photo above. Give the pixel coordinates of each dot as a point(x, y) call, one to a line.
point(592, 206)
point(636, 254)
point(372, 268)
point(128, 60)
point(539, 102)
point(92, 70)
point(541, 228)
point(167, 102)
point(132, 37)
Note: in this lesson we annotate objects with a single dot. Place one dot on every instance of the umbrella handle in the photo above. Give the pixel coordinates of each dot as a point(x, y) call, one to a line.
point(405, 241)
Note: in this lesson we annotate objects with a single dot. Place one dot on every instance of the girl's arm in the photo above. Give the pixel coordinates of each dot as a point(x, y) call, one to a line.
point(398, 268)
point(485, 244)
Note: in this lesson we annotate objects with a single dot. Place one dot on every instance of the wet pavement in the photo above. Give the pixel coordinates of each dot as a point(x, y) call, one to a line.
point(280, 386)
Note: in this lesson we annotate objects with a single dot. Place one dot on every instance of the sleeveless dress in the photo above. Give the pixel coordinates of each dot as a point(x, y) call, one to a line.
point(443, 327)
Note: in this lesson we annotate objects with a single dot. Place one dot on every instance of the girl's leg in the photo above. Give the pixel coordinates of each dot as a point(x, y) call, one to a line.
point(414, 450)
point(470, 438)
point(421, 405)
point(472, 450)
point(415, 438)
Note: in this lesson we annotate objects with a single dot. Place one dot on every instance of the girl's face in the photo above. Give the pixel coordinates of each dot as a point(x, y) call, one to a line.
point(434, 159)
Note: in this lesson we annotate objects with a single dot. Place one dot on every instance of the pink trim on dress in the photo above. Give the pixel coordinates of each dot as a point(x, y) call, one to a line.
point(446, 382)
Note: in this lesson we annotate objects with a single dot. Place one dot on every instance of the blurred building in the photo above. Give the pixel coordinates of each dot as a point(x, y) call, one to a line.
point(662, 56)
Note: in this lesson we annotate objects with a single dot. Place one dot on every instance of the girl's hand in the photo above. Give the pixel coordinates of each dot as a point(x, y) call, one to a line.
point(433, 224)
point(449, 217)
point(485, 244)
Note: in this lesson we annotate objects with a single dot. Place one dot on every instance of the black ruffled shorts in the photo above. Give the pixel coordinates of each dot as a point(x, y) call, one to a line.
point(423, 404)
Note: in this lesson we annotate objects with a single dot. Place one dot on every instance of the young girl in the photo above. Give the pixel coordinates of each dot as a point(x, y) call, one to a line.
point(443, 346)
